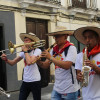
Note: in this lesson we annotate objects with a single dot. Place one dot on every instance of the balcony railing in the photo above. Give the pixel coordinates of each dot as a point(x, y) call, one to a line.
point(57, 2)
point(85, 4)
point(51, 1)
point(45, 3)
point(78, 3)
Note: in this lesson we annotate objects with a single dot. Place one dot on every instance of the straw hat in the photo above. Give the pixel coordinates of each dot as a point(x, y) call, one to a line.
point(79, 32)
point(30, 35)
point(60, 30)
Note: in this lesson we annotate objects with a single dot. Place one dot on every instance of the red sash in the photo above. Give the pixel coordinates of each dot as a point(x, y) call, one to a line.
point(56, 48)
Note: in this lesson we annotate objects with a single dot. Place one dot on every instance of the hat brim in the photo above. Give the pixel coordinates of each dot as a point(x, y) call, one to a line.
point(78, 34)
point(68, 32)
point(32, 37)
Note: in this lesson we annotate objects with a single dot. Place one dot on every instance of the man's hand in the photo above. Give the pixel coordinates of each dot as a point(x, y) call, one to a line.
point(89, 63)
point(4, 57)
point(46, 54)
point(80, 76)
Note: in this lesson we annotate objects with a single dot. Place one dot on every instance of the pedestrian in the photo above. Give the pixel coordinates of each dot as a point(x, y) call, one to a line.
point(89, 36)
point(63, 55)
point(31, 74)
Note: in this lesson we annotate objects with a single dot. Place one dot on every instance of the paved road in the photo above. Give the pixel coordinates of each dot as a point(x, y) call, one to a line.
point(46, 94)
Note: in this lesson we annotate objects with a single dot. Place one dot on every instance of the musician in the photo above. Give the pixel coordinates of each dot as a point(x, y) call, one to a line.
point(31, 74)
point(89, 36)
point(65, 86)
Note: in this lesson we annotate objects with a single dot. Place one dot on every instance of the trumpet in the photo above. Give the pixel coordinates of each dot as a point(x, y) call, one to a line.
point(47, 50)
point(12, 46)
point(85, 69)
point(2, 91)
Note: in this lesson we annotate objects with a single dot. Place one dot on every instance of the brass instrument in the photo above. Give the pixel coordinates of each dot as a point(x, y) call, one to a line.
point(12, 46)
point(2, 91)
point(47, 50)
point(85, 69)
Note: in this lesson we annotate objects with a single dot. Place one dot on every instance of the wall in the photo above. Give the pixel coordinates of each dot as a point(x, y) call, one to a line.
point(7, 18)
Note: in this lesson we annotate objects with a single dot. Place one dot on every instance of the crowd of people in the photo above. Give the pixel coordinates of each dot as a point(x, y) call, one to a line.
point(68, 65)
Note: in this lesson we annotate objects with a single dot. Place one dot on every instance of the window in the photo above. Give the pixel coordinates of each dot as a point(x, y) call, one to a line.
point(79, 3)
point(77, 44)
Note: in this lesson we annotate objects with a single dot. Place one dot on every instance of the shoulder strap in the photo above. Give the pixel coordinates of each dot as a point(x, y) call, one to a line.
point(66, 51)
point(53, 52)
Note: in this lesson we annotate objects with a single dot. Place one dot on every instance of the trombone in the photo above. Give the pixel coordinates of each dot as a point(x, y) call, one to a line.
point(12, 46)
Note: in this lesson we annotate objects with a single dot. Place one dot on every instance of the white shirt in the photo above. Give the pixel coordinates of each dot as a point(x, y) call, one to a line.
point(31, 72)
point(92, 91)
point(63, 78)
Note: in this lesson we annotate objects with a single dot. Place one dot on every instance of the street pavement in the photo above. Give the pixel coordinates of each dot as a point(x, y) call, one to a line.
point(45, 94)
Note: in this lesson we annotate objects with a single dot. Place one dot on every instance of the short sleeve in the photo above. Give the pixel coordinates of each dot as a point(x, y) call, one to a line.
point(78, 63)
point(51, 52)
point(21, 54)
point(71, 55)
point(37, 52)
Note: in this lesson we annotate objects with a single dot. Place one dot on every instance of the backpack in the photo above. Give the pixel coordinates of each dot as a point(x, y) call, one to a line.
point(65, 53)
point(44, 73)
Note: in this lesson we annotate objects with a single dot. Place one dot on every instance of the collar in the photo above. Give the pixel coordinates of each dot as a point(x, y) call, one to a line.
point(56, 48)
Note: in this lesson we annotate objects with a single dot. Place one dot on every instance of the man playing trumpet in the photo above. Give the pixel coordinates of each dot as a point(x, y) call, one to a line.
point(89, 36)
point(31, 74)
point(63, 55)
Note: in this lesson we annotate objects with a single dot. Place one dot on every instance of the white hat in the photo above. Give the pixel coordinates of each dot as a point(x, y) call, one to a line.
point(60, 30)
point(30, 35)
point(79, 32)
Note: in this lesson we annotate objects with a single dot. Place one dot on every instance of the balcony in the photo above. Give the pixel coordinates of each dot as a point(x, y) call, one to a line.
point(42, 3)
point(56, 2)
point(86, 7)
point(84, 4)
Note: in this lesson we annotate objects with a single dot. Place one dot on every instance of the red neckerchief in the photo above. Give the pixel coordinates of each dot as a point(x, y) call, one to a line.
point(25, 62)
point(94, 51)
point(56, 48)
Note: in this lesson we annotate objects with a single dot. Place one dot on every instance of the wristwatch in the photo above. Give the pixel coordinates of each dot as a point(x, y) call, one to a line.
point(25, 51)
point(51, 58)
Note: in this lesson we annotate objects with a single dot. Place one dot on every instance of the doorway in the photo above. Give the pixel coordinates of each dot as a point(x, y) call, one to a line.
point(2, 63)
point(40, 28)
